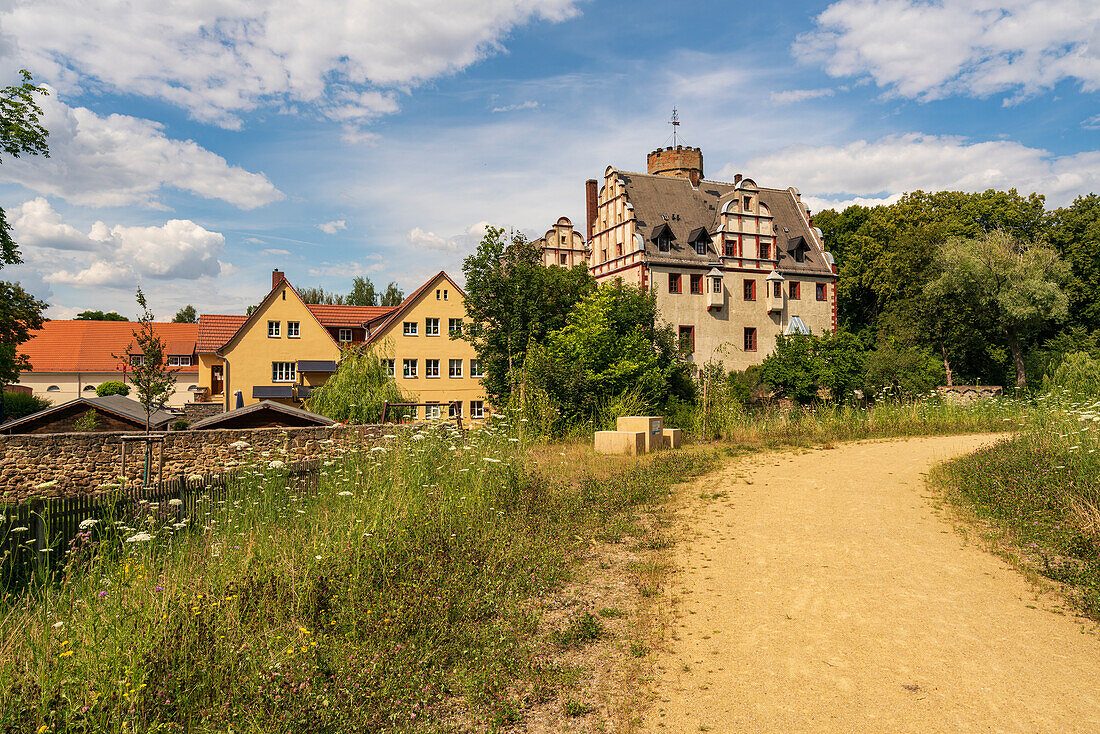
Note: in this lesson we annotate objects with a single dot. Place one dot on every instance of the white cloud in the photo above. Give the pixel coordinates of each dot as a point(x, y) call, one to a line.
point(36, 223)
point(332, 227)
point(220, 58)
point(275, 251)
point(478, 229)
point(930, 50)
point(528, 105)
point(120, 160)
point(877, 170)
point(431, 241)
point(177, 249)
point(344, 270)
point(799, 95)
point(99, 274)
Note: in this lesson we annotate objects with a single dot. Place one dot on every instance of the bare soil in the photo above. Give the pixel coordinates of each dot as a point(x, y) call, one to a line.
point(825, 590)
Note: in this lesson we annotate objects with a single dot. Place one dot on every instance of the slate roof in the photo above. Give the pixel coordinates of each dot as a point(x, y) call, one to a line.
point(89, 346)
point(689, 209)
point(118, 405)
point(215, 421)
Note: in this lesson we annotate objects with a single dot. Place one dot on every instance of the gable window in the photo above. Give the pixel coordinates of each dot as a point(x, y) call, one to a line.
point(697, 284)
point(444, 294)
point(454, 367)
point(687, 339)
point(477, 409)
point(701, 247)
point(431, 327)
point(731, 248)
point(284, 371)
point(431, 368)
point(750, 339)
point(179, 360)
point(293, 330)
point(273, 328)
point(454, 326)
point(674, 283)
point(410, 328)
point(799, 255)
point(821, 291)
point(664, 243)
point(409, 368)
point(750, 289)
point(793, 290)
point(388, 365)
point(475, 368)
point(765, 250)
point(345, 335)
point(748, 203)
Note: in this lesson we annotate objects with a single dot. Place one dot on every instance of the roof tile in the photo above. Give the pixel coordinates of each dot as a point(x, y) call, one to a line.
point(90, 346)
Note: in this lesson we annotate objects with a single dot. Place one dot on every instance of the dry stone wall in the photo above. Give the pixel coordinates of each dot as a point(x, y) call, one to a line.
point(71, 464)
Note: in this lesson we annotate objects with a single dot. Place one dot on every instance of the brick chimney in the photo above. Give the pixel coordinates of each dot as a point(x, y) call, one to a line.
point(679, 162)
point(277, 277)
point(590, 206)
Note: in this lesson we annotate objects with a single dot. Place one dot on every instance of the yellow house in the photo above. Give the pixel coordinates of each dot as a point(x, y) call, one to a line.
point(416, 346)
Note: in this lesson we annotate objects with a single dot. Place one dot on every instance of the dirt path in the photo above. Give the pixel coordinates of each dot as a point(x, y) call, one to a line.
point(823, 592)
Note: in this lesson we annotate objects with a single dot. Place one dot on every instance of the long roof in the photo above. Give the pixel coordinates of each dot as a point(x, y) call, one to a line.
point(90, 346)
point(264, 406)
point(117, 405)
point(347, 316)
point(215, 330)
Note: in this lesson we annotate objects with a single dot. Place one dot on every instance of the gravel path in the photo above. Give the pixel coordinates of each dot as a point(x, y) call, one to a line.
point(823, 592)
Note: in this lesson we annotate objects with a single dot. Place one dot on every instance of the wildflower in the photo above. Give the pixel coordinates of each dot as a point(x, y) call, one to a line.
point(276, 464)
point(317, 558)
point(102, 594)
point(66, 654)
point(58, 625)
point(345, 493)
point(195, 478)
point(46, 485)
point(87, 523)
point(175, 502)
point(139, 538)
point(19, 529)
point(239, 445)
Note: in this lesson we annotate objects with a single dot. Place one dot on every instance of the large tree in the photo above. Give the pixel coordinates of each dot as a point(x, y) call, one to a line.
point(512, 300)
point(186, 315)
point(100, 316)
point(393, 295)
point(1018, 285)
point(362, 292)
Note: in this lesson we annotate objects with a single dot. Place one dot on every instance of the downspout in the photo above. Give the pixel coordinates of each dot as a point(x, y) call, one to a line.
point(225, 378)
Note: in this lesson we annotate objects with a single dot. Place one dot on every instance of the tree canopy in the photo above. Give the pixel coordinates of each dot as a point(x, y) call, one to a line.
point(363, 293)
point(99, 316)
point(186, 315)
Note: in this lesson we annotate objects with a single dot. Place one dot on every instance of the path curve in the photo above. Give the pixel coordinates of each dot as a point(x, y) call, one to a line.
point(824, 592)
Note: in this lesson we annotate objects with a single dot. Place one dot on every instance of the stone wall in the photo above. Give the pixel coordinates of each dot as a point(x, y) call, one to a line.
point(969, 393)
point(194, 412)
point(80, 462)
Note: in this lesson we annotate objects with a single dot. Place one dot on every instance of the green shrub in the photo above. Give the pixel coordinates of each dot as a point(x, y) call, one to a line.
point(1078, 375)
point(19, 404)
point(180, 425)
point(87, 422)
point(112, 387)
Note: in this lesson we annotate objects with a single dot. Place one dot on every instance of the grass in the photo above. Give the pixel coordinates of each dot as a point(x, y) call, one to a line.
point(1039, 492)
point(396, 595)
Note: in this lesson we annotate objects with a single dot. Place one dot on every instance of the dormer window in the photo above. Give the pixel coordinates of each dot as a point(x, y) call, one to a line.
point(748, 203)
point(664, 243)
point(800, 255)
point(662, 235)
point(701, 247)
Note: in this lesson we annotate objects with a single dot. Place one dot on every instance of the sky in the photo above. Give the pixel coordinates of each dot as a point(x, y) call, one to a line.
point(194, 147)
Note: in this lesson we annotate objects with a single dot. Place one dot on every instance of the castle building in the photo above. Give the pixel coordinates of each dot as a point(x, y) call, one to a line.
point(732, 264)
point(562, 245)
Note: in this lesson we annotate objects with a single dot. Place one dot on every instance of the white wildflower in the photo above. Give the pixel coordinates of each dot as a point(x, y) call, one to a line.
point(46, 485)
point(276, 464)
point(87, 523)
point(494, 461)
point(19, 529)
point(175, 502)
point(139, 538)
point(240, 445)
point(58, 625)
point(317, 558)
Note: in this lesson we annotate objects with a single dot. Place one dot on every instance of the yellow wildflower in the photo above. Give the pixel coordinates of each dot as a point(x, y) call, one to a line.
point(65, 654)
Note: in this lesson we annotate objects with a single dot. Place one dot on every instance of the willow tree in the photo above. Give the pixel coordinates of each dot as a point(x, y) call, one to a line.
point(1019, 286)
point(356, 393)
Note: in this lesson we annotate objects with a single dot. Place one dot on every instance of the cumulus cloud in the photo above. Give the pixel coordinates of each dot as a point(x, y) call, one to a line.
point(431, 241)
point(113, 255)
point(794, 96)
point(120, 160)
point(880, 169)
point(929, 50)
point(332, 227)
point(220, 58)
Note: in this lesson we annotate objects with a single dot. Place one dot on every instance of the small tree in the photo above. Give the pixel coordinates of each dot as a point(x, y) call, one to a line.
point(1018, 285)
point(356, 392)
point(87, 422)
point(186, 315)
point(362, 293)
point(151, 378)
point(112, 387)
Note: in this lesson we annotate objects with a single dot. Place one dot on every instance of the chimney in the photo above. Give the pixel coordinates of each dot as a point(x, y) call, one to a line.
point(679, 162)
point(590, 205)
point(277, 277)
point(737, 178)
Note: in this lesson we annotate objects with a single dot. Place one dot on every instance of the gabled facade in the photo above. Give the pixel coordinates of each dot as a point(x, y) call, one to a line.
point(732, 264)
point(562, 245)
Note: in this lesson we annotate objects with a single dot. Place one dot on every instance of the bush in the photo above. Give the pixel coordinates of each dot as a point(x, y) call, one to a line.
point(112, 387)
point(1079, 375)
point(87, 422)
point(180, 425)
point(905, 372)
point(19, 404)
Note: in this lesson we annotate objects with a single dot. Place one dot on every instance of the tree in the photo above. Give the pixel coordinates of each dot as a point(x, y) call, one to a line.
point(153, 382)
point(112, 387)
point(792, 369)
point(362, 293)
point(1075, 234)
point(87, 422)
point(317, 295)
point(393, 295)
point(19, 404)
point(99, 316)
point(356, 392)
point(1018, 285)
point(186, 315)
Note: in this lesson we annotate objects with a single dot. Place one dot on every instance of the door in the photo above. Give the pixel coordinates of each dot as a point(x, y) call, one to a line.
point(217, 380)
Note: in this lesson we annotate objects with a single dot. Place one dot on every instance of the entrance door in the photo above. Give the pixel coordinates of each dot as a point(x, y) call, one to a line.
point(217, 380)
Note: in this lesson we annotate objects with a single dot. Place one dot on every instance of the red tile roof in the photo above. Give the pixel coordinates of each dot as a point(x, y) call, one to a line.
point(215, 330)
point(347, 316)
point(89, 346)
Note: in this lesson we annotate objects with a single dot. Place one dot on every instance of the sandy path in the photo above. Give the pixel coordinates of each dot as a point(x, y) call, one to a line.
point(824, 593)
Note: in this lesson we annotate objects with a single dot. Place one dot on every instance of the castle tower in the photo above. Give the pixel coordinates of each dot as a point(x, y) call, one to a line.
point(679, 162)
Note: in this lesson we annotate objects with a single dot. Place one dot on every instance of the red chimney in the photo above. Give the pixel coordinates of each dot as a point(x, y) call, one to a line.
point(277, 277)
point(590, 202)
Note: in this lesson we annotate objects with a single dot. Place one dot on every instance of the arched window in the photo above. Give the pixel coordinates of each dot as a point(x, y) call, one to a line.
point(89, 388)
point(53, 388)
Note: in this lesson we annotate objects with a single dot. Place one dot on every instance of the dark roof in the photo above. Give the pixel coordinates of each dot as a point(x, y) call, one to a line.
point(276, 411)
point(273, 391)
point(117, 405)
point(690, 209)
point(316, 365)
point(699, 233)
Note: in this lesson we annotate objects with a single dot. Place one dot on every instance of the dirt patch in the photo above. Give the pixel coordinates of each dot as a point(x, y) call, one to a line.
point(823, 590)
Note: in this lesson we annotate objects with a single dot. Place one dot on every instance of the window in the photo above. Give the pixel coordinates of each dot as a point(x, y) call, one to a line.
point(454, 326)
point(765, 250)
point(731, 248)
point(89, 388)
point(664, 243)
point(410, 328)
point(793, 290)
point(454, 367)
point(431, 327)
point(715, 285)
point(53, 388)
point(293, 330)
point(444, 294)
point(137, 360)
point(619, 250)
point(345, 334)
point(687, 339)
point(179, 360)
point(273, 329)
point(799, 255)
point(431, 368)
point(750, 339)
point(750, 289)
point(563, 258)
point(701, 247)
point(747, 203)
point(674, 283)
point(439, 294)
point(454, 410)
point(777, 289)
point(697, 284)
point(409, 370)
point(284, 371)
point(388, 365)
point(820, 291)
point(431, 411)
point(477, 409)
point(475, 368)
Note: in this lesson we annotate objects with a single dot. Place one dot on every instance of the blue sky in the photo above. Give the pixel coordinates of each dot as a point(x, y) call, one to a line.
point(195, 149)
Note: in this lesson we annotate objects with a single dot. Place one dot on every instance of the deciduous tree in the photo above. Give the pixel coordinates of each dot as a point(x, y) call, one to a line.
point(186, 315)
point(153, 381)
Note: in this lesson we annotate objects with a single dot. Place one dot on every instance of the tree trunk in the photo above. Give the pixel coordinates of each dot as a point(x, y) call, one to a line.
point(1017, 357)
point(947, 367)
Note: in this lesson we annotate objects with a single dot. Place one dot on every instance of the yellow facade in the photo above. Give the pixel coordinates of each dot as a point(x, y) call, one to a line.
point(439, 302)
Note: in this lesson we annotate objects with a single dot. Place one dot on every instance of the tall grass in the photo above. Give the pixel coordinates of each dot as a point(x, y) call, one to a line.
point(1041, 491)
point(395, 595)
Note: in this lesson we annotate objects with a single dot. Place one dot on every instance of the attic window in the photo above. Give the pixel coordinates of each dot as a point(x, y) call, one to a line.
point(799, 255)
point(701, 246)
point(748, 203)
point(664, 243)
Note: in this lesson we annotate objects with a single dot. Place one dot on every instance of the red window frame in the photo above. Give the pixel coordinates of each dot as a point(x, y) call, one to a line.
point(822, 293)
point(674, 284)
point(794, 290)
point(750, 339)
point(688, 331)
point(696, 283)
point(750, 289)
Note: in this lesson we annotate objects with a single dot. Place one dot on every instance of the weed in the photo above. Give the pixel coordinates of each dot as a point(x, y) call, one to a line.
point(584, 628)
point(575, 708)
point(637, 649)
point(611, 613)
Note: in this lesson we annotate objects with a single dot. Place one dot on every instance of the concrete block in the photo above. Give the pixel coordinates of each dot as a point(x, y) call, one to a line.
point(631, 443)
point(650, 425)
point(673, 438)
